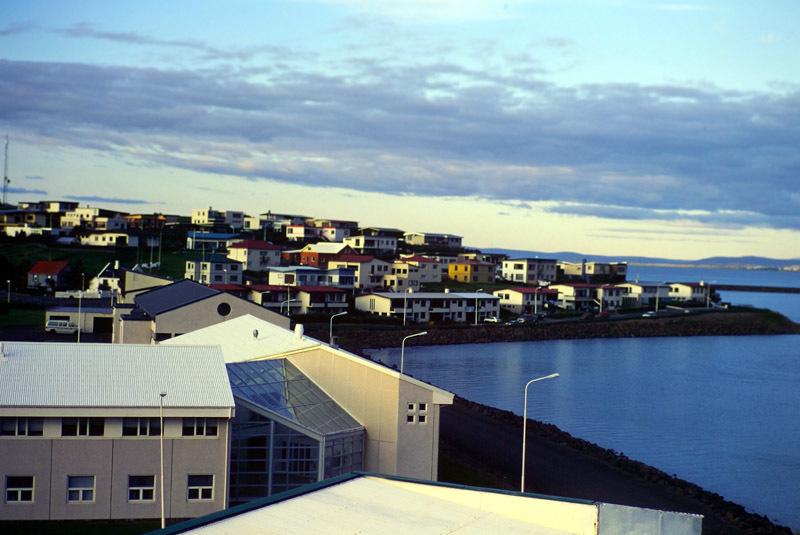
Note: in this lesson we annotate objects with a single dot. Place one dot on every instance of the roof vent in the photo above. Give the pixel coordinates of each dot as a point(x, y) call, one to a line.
point(255, 335)
point(298, 331)
point(3, 357)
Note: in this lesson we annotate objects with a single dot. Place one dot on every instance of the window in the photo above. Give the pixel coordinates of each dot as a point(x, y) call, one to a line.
point(19, 489)
point(80, 488)
point(199, 427)
point(416, 413)
point(141, 427)
point(200, 487)
point(21, 427)
point(141, 488)
point(74, 427)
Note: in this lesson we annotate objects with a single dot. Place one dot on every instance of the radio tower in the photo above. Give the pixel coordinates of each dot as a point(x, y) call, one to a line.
point(6, 181)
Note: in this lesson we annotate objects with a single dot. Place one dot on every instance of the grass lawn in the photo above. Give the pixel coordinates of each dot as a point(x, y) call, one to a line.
point(18, 317)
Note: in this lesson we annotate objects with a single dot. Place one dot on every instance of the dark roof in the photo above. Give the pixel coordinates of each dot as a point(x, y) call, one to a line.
point(173, 296)
point(45, 267)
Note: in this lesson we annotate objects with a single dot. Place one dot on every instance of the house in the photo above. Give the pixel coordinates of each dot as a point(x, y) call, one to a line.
point(306, 411)
point(369, 271)
point(274, 297)
point(128, 238)
point(421, 307)
point(94, 218)
point(214, 269)
point(372, 245)
point(148, 221)
point(404, 276)
point(349, 226)
point(302, 232)
point(208, 217)
point(89, 316)
point(449, 241)
point(429, 269)
point(47, 274)
point(471, 271)
point(644, 293)
point(526, 300)
point(255, 255)
point(319, 254)
point(364, 502)
point(210, 241)
point(178, 308)
point(492, 258)
point(530, 270)
point(699, 292)
point(338, 277)
point(273, 222)
point(83, 440)
point(321, 299)
point(593, 272)
point(580, 296)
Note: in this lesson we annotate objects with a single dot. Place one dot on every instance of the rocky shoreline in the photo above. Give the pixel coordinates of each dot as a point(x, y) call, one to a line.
point(356, 338)
point(480, 443)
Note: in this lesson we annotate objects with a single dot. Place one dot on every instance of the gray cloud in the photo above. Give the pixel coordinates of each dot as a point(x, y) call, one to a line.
point(25, 191)
point(34, 177)
point(115, 200)
point(615, 150)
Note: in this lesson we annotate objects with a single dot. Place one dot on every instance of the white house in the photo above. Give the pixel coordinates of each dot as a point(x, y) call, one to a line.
point(421, 307)
point(525, 300)
point(214, 269)
point(529, 270)
point(255, 255)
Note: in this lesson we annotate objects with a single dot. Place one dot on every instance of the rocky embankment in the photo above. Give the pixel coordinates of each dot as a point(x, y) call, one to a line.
point(722, 323)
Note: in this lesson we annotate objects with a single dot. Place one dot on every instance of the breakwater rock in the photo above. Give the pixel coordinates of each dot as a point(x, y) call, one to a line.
point(722, 323)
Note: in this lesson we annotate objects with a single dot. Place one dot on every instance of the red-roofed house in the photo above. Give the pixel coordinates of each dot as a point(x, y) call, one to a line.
point(255, 255)
point(46, 274)
point(318, 254)
point(430, 269)
point(369, 271)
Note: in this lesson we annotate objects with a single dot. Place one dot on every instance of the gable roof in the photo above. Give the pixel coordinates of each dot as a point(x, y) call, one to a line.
point(324, 248)
point(171, 296)
point(524, 290)
point(112, 375)
point(46, 267)
point(358, 258)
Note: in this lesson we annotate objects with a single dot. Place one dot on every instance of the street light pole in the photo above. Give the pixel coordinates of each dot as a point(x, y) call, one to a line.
point(161, 419)
point(405, 301)
point(525, 425)
point(476, 305)
point(8, 295)
point(403, 347)
point(330, 334)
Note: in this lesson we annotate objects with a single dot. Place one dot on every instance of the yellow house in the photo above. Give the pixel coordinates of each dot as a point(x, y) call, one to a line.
point(471, 271)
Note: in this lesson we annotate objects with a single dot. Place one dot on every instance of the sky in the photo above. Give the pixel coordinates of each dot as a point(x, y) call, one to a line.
point(614, 127)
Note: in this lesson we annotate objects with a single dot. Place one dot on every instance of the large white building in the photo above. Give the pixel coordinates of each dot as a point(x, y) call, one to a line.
point(530, 270)
point(418, 307)
point(81, 428)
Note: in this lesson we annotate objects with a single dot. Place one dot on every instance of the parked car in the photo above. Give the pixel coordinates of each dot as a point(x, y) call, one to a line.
point(586, 316)
point(60, 327)
point(649, 314)
point(492, 319)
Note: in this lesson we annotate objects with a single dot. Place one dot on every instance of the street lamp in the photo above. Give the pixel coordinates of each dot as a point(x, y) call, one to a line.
point(405, 300)
point(161, 424)
point(330, 334)
point(659, 285)
point(525, 424)
point(403, 347)
point(8, 294)
point(287, 305)
point(476, 305)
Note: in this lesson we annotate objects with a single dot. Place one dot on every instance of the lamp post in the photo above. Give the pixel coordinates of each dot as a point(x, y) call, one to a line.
point(476, 305)
point(8, 294)
point(403, 347)
point(161, 424)
point(708, 293)
point(330, 334)
point(525, 424)
point(405, 300)
point(80, 299)
point(658, 286)
point(287, 305)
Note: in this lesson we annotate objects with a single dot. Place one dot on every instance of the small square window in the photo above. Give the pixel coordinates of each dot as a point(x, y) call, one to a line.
point(412, 406)
point(141, 488)
point(80, 488)
point(19, 489)
point(423, 407)
point(200, 487)
point(423, 418)
point(411, 418)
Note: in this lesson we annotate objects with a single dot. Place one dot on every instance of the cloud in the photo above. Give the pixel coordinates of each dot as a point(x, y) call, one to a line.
point(114, 200)
point(434, 128)
point(34, 177)
point(25, 191)
point(435, 11)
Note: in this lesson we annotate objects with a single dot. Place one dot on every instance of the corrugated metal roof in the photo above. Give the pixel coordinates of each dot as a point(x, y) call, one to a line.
point(106, 375)
point(238, 343)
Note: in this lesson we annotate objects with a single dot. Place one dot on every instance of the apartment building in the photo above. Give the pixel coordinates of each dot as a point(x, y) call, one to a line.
point(530, 270)
point(420, 307)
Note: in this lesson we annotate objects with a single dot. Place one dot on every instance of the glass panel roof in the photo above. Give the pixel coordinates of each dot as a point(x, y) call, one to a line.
point(278, 387)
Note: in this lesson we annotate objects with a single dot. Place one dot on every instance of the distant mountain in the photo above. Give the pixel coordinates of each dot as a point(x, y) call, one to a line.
point(744, 262)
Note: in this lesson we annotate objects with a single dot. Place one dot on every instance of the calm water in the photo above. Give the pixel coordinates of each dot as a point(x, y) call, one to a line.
point(717, 411)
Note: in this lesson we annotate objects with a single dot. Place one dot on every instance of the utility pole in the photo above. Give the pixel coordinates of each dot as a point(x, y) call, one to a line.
point(6, 180)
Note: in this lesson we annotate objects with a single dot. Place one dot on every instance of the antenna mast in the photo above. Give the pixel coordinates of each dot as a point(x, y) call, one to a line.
point(5, 175)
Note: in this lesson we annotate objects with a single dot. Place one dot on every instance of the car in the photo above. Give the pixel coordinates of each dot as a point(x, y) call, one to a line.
point(586, 316)
point(515, 323)
point(603, 314)
point(491, 320)
point(649, 314)
point(60, 327)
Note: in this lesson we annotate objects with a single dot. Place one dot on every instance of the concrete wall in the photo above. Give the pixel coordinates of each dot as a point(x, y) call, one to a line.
point(111, 459)
point(379, 400)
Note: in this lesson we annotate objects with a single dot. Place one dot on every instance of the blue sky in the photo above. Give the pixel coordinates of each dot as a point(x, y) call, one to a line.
point(603, 127)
